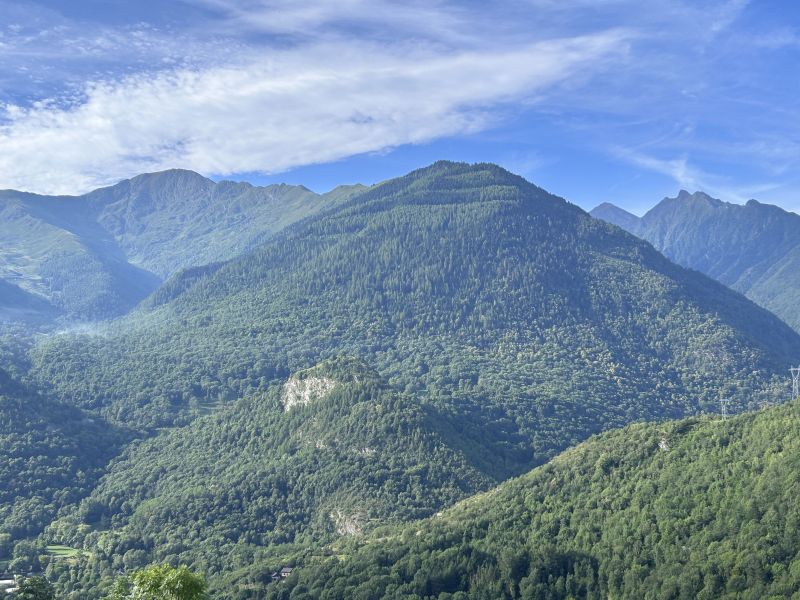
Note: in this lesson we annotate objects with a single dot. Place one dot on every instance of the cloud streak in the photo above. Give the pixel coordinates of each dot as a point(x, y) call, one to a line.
point(268, 113)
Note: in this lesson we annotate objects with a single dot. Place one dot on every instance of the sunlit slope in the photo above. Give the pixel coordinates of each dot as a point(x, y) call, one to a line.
point(700, 508)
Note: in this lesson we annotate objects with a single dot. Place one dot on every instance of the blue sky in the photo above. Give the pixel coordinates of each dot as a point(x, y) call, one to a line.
point(595, 100)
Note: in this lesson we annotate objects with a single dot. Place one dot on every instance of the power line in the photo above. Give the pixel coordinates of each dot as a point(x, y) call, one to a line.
point(795, 371)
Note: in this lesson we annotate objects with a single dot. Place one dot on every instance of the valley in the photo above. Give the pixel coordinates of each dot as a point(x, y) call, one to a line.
point(416, 345)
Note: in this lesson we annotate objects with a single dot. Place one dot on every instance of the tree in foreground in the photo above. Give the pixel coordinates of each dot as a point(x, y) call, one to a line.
point(160, 582)
point(35, 588)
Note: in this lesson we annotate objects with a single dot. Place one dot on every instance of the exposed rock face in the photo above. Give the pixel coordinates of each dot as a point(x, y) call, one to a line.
point(301, 392)
point(348, 524)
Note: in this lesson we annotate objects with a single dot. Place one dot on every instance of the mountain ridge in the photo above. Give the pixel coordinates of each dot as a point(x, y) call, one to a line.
point(121, 241)
point(752, 248)
point(697, 508)
point(445, 295)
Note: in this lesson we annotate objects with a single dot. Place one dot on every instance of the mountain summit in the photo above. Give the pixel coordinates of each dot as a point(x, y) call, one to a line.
point(463, 281)
point(754, 249)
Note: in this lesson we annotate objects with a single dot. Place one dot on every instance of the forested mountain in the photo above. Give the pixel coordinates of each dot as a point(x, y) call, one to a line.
point(50, 456)
point(98, 255)
point(330, 453)
point(754, 248)
point(490, 325)
point(465, 283)
point(700, 508)
point(17, 305)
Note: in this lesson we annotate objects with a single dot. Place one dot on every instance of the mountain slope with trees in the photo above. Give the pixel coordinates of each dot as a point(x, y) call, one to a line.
point(464, 283)
point(331, 453)
point(17, 305)
point(700, 508)
point(752, 248)
point(506, 323)
point(51, 455)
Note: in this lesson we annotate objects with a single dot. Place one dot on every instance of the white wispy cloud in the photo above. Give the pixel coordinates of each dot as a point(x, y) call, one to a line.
point(228, 87)
point(301, 105)
point(692, 178)
point(432, 18)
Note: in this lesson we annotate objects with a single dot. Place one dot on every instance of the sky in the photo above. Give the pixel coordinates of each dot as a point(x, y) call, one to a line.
point(617, 101)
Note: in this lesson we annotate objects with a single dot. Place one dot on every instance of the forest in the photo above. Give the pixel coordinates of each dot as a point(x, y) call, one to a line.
point(410, 346)
point(699, 508)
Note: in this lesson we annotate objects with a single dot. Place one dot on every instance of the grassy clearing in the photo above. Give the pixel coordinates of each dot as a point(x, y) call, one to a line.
point(63, 551)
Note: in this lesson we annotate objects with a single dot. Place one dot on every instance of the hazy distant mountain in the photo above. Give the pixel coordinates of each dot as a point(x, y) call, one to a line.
point(616, 215)
point(54, 248)
point(98, 255)
point(176, 219)
point(19, 305)
point(754, 249)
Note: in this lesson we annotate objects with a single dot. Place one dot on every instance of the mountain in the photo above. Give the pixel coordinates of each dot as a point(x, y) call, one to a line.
point(617, 216)
point(503, 325)
point(175, 219)
point(98, 255)
point(754, 249)
point(19, 305)
point(699, 508)
point(52, 248)
point(462, 283)
point(330, 453)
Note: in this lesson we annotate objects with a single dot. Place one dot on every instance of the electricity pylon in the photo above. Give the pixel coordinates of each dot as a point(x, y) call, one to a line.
point(724, 403)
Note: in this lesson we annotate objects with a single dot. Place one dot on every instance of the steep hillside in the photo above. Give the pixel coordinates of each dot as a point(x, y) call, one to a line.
point(52, 248)
point(466, 284)
point(175, 219)
point(754, 249)
point(51, 455)
point(698, 508)
point(330, 453)
point(18, 305)
point(98, 255)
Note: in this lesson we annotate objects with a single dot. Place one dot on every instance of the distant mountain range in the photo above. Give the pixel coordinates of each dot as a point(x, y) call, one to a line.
point(98, 255)
point(752, 248)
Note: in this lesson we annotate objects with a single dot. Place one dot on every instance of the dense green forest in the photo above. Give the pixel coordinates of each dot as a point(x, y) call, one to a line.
point(753, 248)
point(265, 473)
point(408, 346)
point(463, 283)
point(699, 508)
point(51, 455)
